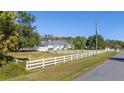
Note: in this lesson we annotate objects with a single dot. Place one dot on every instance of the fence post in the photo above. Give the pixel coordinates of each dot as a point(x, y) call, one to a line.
point(86, 54)
point(26, 65)
point(71, 57)
point(55, 60)
point(29, 58)
point(92, 53)
point(64, 59)
point(81, 55)
point(43, 65)
point(77, 56)
point(17, 60)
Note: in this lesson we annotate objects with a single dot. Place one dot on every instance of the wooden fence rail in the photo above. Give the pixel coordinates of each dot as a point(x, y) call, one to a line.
point(62, 59)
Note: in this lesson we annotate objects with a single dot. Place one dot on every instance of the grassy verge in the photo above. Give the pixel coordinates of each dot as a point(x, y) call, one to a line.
point(12, 70)
point(67, 71)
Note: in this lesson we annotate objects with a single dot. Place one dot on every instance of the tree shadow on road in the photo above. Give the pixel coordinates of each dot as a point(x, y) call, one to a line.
point(117, 59)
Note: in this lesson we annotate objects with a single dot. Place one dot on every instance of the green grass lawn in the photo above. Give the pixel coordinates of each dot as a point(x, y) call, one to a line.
point(67, 71)
point(33, 55)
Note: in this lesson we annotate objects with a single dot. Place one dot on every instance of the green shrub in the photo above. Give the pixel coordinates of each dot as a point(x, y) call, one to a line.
point(12, 70)
point(5, 59)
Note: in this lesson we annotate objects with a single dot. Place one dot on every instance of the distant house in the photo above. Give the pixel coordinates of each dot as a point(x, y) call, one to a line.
point(54, 45)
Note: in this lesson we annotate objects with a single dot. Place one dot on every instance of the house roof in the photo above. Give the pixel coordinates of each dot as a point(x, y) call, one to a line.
point(56, 43)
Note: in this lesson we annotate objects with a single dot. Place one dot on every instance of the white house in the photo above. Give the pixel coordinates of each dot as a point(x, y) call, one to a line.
point(54, 45)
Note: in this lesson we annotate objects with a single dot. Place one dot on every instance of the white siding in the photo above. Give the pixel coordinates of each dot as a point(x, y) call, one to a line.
point(42, 49)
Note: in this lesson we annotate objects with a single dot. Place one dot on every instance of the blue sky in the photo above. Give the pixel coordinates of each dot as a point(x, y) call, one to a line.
point(111, 24)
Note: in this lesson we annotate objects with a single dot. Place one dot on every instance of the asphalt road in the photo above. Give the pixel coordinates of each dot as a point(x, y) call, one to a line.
point(111, 70)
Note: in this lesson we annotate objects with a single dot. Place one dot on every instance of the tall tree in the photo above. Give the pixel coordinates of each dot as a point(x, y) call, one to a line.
point(114, 43)
point(28, 35)
point(80, 43)
point(91, 42)
point(8, 31)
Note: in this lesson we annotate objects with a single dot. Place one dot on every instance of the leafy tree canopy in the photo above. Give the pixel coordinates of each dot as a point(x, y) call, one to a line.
point(17, 31)
point(91, 42)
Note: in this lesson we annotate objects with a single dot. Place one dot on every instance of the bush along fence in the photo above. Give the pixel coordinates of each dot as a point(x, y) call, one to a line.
point(62, 59)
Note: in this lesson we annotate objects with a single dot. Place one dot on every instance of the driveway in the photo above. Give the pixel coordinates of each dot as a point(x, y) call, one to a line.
point(111, 70)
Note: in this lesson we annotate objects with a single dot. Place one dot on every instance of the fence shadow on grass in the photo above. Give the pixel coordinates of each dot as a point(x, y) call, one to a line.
point(117, 59)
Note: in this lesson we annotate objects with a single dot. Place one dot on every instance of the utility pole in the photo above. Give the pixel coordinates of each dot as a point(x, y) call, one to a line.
point(96, 36)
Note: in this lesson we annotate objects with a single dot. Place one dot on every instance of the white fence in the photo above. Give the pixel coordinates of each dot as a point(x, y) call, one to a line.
point(62, 59)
